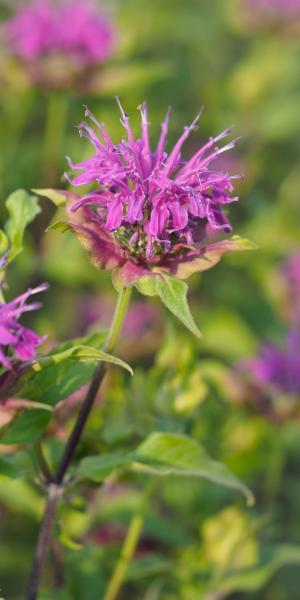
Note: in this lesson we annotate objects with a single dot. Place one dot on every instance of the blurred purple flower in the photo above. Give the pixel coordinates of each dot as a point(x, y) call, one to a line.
point(278, 368)
point(75, 28)
point(153, 208)
point(16, 341)
point(279, 8)
point(140, 315)
point(291, 271)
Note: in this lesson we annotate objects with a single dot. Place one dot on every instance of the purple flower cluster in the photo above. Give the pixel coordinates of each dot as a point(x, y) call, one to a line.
point(279, 368)
point(285, 8)
point(149, 206)
point(16, 341)
point(75, 28)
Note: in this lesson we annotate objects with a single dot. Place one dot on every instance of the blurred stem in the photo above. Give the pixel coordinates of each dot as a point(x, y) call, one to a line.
point(42, 461)
point(43, 542)
point(55, 488)
point(129, 546)
point(57, 112)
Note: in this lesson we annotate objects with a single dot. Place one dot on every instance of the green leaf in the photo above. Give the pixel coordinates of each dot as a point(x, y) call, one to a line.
point(9, 469)
point(165, 454)
point(22, 209)
point(58, 197)
point(54, 378)
point(56, 382)
point(97, 468)
point(252, 579)
point(173, 294)
point(58, 375)
point(175, 454)
point(4, 241)
point(82, 353)
point(26, 428)
point(60, 226)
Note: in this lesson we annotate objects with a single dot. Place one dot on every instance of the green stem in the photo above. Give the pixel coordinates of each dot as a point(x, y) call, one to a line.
point(129, 546)
point(57, 112)
point(99, 374)
point(118, 319)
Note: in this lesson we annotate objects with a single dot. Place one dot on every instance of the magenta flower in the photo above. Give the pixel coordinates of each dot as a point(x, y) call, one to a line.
point(279, 8)
point(16, 341)
point(278, 368)
point(141, 316)
point(75, 31)
point(151, 211)
point(291, 272)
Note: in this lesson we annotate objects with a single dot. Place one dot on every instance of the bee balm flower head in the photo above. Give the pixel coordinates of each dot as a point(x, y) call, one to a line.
point(53, 36)
point(151, 210)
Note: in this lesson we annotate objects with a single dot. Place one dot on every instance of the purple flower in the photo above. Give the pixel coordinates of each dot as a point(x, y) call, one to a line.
point(16, 341)
point(291, 271)
point(72, 30)
point(141, 316)
point(277, 8)
point(150, 209)
point(278, 368)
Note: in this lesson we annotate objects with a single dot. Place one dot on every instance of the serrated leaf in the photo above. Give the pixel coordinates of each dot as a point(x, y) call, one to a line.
point(175, 454)
point(57, 197)
point(22, 208)
point(173, 294)
point(82, 353)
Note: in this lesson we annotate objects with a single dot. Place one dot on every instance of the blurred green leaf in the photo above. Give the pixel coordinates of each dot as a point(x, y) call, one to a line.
point(254, 578)
point(60, 226)
point(22, 208)
point(173, 294)
point(148, 566)
point(9, 468)
point(165, 454)
point(58, 197)
point(4, 242)
point(97, 468)
point(174, 454)
point(26, 428)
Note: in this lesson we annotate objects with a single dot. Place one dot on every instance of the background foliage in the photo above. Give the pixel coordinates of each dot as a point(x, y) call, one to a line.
point(199, 539)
